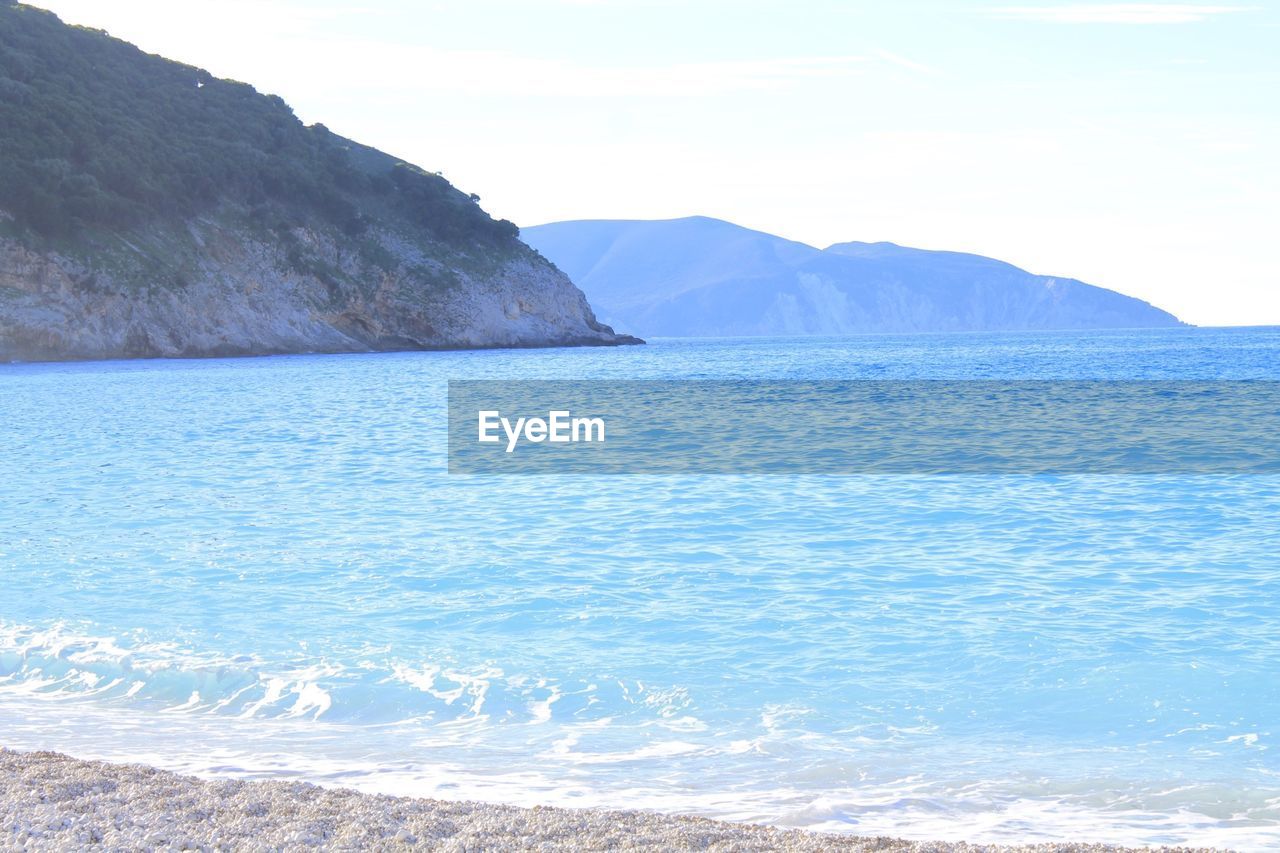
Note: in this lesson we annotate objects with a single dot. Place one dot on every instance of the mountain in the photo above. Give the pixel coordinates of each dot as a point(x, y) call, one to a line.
point(150, 209)
point(701, 276)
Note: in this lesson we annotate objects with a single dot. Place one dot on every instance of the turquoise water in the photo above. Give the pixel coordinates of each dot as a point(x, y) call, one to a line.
point(260, 567)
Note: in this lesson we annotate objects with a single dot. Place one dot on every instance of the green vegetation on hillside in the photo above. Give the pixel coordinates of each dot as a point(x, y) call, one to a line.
point(97, 136)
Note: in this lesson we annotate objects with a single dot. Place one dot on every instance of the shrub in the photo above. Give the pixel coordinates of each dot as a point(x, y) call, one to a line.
point(96, 134)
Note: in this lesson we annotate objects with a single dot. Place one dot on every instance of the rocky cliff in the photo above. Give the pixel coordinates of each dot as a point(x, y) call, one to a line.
point(239, 294)
point(148, 209)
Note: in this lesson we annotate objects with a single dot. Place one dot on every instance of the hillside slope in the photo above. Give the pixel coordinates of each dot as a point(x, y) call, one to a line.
point(149, 209)
point(701, 276)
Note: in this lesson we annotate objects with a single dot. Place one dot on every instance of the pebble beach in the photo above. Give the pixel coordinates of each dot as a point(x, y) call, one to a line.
point(50, 801)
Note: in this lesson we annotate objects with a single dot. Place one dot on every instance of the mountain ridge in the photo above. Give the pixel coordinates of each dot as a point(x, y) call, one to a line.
point(703, 276)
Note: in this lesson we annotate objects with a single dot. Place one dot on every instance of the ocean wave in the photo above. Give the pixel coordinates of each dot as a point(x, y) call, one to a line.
point(77, 663)
point(478, 733)
point(670, 775)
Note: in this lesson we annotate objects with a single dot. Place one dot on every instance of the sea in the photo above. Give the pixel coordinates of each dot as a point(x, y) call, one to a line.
point(261, 568)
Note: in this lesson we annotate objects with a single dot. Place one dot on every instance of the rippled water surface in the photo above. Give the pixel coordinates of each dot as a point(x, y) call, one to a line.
point(260, 566)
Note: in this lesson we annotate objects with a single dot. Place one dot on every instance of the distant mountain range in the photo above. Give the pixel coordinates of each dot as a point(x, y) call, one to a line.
point(705, 277)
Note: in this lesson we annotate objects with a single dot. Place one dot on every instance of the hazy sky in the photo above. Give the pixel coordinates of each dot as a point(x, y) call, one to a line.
point(1131, 145)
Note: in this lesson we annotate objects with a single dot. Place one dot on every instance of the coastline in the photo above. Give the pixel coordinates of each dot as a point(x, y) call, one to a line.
point(619, 340)
point(50, 801)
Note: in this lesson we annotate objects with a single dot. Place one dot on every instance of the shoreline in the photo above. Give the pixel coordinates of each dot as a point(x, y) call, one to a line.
point(51, 801)
point(619, 340)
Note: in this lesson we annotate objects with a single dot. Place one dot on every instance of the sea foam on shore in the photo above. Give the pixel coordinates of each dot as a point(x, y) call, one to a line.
point(53, 802)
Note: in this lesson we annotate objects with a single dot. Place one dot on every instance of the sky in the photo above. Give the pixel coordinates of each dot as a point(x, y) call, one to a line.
point(1135, 146)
